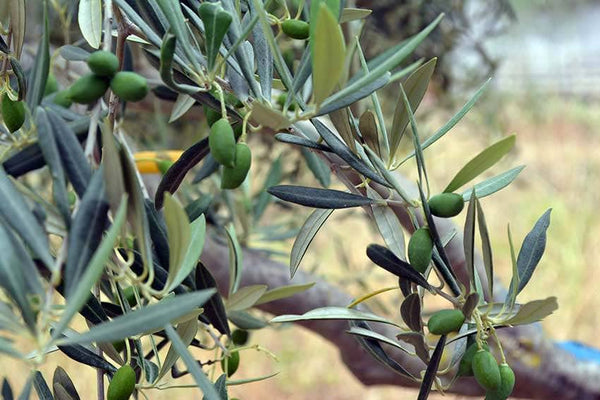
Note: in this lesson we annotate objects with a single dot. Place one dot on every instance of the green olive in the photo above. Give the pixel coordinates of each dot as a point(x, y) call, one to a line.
point(211, 115)
point(420, 249)
point(507, 383)
point(103, 63)
point(13, 113)
point(233, 362)
point(296, 29)
point(88, 89)
point(122, 384)
point(240, 337)
point(129, 86)
point(486, 371)
point(445, 321)
point(446, 205)
point(465, 368)
point(51, 85)
point(63, 99)
point(234, 176)
point(221, 142)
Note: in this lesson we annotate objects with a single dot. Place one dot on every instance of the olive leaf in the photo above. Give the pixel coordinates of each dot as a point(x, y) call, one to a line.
point(377, 351)
point(283, 292)
point(481, 163)
point(432, 367)
point(388, 261)
point(410, 310)
point(41, 387)
point(494, 184)
point(319, 168)
point(300, 141)
point(417, 340)
point(318, 198)
point(174, 176)
point(22, 220)
point(85, 356)
point(145, 319)
point(328, 52)
point(17, 24)
point(368, 130)
point(245, 297)
point(305, 236)
point(187, 331)
point(216, 24)
point(372, 335)
point(214, 309)
point(533, 311)
point(415, 87)
point(89, 18)
point(333, 313)
point(339, 148)
point(486, 248)
point(236, 259)
point(39, 73)
point(67, 389)
point(208, 389)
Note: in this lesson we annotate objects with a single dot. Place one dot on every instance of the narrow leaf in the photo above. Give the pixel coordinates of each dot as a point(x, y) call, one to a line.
point(319, 168)
point(87, 357)
point(532, 250)
point(469, 241)
point(178, 233)
point(41, 387)
point(335, 102)
point(300, 141)
point(186, 331)
point(372, 335)
point(142, 320)
point(486, 248)
point(283, 292)
point(329, 52)
point(415, 87)
point(432, 367)
point(410, 310)
point(481, 163)
point(39, 73)
point(388, 261)
point(367, 125)
point(333, 313)
point(14, 210)
point(207, 388)
point(93, 271)
point(339, 148)
point(216, 24)
point(192, 254)
point(305, 236)
point(494, 184)
point(214, 309)
point(318, 198)
point(90, 21)
point(245, 297)
point(174, 176)
point(236, 262)
point(273, 178)
point(389, 227)
point(17, 25)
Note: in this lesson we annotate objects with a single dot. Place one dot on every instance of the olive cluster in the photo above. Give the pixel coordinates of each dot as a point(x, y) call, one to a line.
point(498, 380)
point(104, 67)
point(234, 157)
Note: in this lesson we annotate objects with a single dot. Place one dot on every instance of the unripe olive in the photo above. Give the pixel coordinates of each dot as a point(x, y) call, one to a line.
point(420, 249)
point(103, 63)
point(233, 362)
point(88, 89)
point(486, 371)
point(211, 115)
point(233, 177)
point(63, 99)
point(445, 321)
point(51, 85)
point(446, 205)
point(465, 368)
point(221, 142)
point(507, 383)
point(122, 384)
point(129, 86)
point(296, 29)
point(13, 113)
point(240, 337)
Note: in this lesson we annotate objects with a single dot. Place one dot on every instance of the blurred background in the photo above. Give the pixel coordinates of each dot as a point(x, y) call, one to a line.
point(544, 60)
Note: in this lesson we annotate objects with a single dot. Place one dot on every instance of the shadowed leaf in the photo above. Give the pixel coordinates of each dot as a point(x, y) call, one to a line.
point(214, 309)
point(84, 356)
point(318, 198)
point(62, 378)
point(432, 368)
point(174, 176)
point(388, 261)
point(41, 387)
point(305, 236)
point(410, 310)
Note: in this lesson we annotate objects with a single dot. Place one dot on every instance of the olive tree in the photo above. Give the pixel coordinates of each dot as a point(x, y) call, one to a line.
point(82, 233)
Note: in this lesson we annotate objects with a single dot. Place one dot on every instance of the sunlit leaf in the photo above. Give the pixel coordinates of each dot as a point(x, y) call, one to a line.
point(236, 259)
point(486, 248)
point(369, 334)
point(186, 331)
point(87, 357)
point(333, 313)
point(493, 184)
point(90, 21)
point(389, 227)
point(192, 253)
point(216, 23)
point(481, 163)
point(533, 311)
point(39, 73)
point(352, 14)
point(329, 52)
